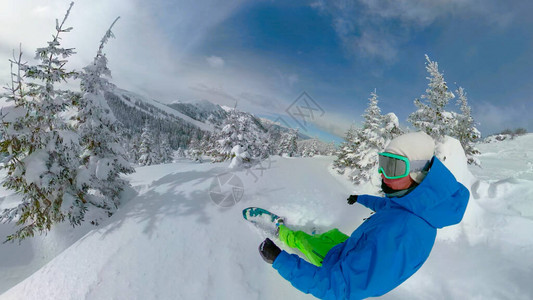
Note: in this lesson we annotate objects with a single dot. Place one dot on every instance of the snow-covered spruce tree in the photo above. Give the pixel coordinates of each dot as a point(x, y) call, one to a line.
point(240, 129)
point(134, 148)
point(149, 155)
point(262, 147)
point(43, 147)
point(103, 158)
point(310, 148)
point(431, 116)
point(274, 137)
point(180, 153)
point(347, 150)
point(228, 137)
point(193, 151)
point(292, 142)
point(288, 143)
point(303, 149)
point(207, 145)
point(465, 130)
point(330, 149)
point(166, 152)
point(371, 141)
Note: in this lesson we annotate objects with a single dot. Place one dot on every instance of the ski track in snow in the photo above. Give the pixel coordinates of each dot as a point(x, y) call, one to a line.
point(169, 241)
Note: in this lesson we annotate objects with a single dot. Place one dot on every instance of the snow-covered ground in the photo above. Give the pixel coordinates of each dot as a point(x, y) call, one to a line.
point(170, 241)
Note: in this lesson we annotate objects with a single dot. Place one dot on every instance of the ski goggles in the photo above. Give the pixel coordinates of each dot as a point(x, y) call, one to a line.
point(394, 166)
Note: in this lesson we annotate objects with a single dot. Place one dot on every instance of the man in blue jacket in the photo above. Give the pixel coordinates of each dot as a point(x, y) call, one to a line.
point(421, 196)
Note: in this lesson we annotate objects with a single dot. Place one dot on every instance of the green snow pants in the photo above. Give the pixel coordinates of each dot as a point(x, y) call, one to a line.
point(313, 246)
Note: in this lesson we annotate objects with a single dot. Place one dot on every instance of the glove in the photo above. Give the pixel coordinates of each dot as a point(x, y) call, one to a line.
point(352, 199)
point(269, 251)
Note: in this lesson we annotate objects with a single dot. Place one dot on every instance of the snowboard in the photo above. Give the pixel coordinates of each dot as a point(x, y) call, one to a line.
point(262, 219)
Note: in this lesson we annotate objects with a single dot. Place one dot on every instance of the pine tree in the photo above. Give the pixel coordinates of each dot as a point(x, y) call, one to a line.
point(180, 153)
point(370, 140)
point(303, 149)
point(359, 150)
point(288, 143)
point(310, 148)
point(149, 155)
point(103, 159)
point(240, 129)
point(134, 151)
point(431, 117)
point(274, 138)
point(208, 145)
point(347, 151)
point(465, 129)
point(292, 149)
point(166, 152)
point(43, 146)
point(193, 151)
point(331, 149)
point(262, 147)
point(229, 136)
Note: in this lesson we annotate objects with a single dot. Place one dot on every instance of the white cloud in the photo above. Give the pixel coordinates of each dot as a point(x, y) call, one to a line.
point(292, 79)
point(138, 48)
point(364, 28)
point(493, 119)
point(218, 92)
point(423, 13)
point(334, 123)
point(154, 52)
point(256, 100)
point(372, 44)
point(288, 79)
point(155, 40)
point(215, 61)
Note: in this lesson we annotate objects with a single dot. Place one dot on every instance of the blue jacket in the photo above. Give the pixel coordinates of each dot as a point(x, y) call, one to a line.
point(387, 248)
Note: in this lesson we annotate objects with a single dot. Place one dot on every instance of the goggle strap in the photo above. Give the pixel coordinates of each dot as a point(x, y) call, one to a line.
point(419, 165)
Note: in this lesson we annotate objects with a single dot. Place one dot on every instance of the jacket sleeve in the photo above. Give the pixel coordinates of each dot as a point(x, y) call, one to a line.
point(345, 279)
point(373, 202)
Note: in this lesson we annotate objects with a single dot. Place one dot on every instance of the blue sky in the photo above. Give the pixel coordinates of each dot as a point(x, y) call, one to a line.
point(263, 54)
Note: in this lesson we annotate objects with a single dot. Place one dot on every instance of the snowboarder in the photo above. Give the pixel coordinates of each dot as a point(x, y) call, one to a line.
point(421, 196)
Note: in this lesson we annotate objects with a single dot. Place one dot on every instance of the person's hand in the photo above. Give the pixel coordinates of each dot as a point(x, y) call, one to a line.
point(352, 199)
point(269, 251)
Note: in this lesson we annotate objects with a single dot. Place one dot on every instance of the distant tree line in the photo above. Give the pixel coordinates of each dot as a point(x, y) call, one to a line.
point(516, 132)
point(507, 134)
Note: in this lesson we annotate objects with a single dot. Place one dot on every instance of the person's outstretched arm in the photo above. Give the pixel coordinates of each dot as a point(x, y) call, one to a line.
point(374, 203)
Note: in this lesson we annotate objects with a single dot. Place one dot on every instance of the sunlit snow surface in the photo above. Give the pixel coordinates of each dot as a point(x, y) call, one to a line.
point(170, 241)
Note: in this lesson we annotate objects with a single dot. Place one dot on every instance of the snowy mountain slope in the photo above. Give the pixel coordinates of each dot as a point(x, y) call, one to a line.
point(282, 127)
point(155, 106)
point(203, 111)
point(214, 114)
point(171, 242)
point(133, 110)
